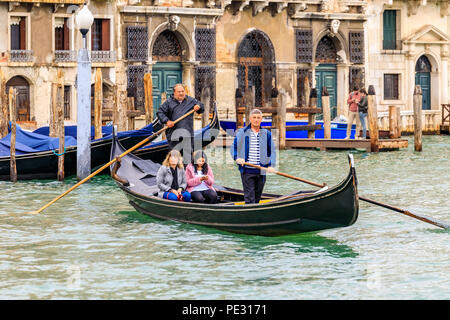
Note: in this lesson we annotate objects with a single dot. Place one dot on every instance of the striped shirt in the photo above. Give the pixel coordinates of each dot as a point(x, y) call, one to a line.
point(254, 152)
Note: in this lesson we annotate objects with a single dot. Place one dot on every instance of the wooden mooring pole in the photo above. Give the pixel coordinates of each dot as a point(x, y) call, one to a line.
point(98, 94)
point(12, 113)
point(282, 118)
point(239, 108)
point(4, 113)
point(417, 104)
point(312, 116)
point(249, 98)
point(60, 124)
point(399, 123)
point(53, 132)
point(148, 91)
point(205, 98)
point(373, 119)
point(326, 113)
point(393, 122)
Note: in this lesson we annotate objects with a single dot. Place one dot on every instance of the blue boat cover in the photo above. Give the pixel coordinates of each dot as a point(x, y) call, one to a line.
point(38, 140)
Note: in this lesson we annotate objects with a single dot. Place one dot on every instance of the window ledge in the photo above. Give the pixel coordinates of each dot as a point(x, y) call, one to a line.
point(65, 64)
point(392, 51)
point(103, 64)
point(392, 102)
point(20, 64)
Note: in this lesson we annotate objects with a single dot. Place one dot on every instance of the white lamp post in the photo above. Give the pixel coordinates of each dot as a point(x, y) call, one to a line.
point(84, 20)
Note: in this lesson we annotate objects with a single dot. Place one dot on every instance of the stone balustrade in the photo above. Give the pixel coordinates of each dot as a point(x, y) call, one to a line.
point(21, 55)
point(431, 120)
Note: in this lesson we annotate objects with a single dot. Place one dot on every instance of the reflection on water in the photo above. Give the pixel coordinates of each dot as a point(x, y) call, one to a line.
point(91, 244)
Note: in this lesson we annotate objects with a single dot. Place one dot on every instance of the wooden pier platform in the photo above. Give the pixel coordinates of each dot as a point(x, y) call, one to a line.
point(445, 129)
point(325, 144)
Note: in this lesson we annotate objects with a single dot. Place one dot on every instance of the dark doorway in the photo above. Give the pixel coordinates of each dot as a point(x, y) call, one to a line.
point(423, 69)
point(256, 67)
point(23, 97)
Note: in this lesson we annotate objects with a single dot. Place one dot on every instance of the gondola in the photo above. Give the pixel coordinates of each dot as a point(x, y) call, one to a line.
point(275, 215)
point(44, 164)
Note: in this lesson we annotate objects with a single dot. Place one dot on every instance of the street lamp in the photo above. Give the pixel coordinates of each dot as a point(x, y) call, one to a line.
point(84, 20)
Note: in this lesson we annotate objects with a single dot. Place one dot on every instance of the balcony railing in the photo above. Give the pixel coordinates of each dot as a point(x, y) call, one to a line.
point(21, 55)
point(65, 56)
point(103, 56)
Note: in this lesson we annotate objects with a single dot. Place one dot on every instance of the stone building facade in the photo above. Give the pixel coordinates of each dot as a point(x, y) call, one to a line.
point(409, 45)
point(224, 45)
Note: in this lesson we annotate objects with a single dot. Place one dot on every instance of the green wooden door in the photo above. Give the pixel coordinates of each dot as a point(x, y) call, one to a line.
point(326, 76)
point(164, 76)
point(423, 79)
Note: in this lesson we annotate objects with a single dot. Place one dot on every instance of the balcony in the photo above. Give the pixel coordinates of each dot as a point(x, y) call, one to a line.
point(47, 1)
point(21, 56)
point(103, 56)
point(65, 56)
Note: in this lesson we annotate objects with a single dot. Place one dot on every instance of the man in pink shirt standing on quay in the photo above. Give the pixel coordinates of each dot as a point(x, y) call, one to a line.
point(353, 114)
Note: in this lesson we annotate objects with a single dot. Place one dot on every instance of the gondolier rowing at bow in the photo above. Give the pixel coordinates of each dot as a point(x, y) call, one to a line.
point(254, 145)
point(181, 135)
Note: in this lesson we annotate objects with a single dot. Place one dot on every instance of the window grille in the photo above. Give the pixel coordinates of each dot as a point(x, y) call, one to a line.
point(303, 45)
point(356, 41)
point(205, 41)
point(135, 88)
point(137, 43)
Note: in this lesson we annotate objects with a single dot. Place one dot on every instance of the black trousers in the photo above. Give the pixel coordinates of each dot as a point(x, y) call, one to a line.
point(205, 196)
point(253, 184)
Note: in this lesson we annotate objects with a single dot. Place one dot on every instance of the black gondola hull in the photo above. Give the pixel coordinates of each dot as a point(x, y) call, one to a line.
point(44, 165)
point(334, 208)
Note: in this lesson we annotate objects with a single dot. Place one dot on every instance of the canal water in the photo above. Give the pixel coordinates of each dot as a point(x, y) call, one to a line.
point(92, 244)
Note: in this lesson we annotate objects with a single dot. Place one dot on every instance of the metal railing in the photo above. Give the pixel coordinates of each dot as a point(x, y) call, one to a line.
point(103, 56)
point(65, 56)
point(21, 55)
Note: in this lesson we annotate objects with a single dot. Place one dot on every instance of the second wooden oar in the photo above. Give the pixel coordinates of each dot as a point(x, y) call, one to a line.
point(109, 163)
point(426, 219)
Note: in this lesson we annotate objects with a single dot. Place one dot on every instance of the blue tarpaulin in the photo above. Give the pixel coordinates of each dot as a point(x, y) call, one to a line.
point(38, 140)
point(27, 142)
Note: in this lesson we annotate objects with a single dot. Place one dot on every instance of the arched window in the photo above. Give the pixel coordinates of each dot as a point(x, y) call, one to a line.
point(423, 64)
point(256, 67)
point(166, 47)
point(326, 51)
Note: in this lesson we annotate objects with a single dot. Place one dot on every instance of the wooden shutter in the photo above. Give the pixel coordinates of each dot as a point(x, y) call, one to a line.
point(66, 35)
point(93, 32)
point(23, 34)
point(389, 29)
point(105, 35)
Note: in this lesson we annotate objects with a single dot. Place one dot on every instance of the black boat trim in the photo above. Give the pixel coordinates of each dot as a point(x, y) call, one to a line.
point(244, 207)
point(216, 224)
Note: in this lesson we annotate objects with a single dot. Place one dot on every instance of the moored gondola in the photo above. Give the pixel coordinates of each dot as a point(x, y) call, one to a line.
point(299, 212)
point(44, 164)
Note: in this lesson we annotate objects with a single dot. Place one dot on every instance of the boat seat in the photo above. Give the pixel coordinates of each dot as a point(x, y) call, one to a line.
point(146, 166)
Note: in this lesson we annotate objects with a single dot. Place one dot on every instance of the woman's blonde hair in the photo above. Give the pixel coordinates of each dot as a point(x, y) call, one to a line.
point(174, 153)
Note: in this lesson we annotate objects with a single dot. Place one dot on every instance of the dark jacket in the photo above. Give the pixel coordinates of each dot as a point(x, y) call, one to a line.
point(362, 105)
point(171, 109)
point(241, 147)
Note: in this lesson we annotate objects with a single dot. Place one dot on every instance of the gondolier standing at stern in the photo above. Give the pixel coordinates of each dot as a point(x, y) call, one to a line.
point(254, 145)
point(181, 135)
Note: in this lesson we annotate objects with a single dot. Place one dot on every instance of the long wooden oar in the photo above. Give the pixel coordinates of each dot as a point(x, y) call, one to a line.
point(423, 218)
point(109, 163)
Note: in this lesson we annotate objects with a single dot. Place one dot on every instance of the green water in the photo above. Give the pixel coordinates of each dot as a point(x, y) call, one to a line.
point(91, 244)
